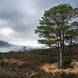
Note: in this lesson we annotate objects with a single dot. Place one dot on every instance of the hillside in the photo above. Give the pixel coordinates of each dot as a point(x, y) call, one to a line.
point(4, 44)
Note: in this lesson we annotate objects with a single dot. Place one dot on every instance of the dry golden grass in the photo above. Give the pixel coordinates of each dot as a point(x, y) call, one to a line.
point(53, 68)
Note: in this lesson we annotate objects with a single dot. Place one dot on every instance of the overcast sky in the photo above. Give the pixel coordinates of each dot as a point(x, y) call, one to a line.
point(19, 19)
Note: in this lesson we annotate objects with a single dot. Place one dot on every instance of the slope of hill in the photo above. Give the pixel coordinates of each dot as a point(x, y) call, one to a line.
point(4, 44)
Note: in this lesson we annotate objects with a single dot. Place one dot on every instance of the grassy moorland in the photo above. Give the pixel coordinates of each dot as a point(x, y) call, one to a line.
point(38, 64)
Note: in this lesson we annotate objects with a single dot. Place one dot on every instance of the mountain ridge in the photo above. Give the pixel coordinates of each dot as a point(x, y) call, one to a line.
point(5, 44)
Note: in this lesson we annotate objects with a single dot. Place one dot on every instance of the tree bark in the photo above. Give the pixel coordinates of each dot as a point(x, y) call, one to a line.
point(61, 54)
point(70, 39)
point(58, 53)
point(61, 61)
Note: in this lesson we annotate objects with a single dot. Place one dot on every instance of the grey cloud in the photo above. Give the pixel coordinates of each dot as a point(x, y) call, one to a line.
point(22, 16)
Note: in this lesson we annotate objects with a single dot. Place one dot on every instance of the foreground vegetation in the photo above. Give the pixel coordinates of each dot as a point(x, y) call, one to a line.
point(34, 64)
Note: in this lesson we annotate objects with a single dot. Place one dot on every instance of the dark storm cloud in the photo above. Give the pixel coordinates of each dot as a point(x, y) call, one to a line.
point(22, 16)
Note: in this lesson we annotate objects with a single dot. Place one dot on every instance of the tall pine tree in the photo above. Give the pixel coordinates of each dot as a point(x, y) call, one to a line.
point(55, 26)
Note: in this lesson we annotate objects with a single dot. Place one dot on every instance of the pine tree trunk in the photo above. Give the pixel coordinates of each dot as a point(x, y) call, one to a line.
point(70, 48)
point(58, 53)
point(61, 54)
point(63, 46)
point(61, 57)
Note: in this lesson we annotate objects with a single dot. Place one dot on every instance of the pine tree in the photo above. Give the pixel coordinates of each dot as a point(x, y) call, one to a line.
point(55, 26)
